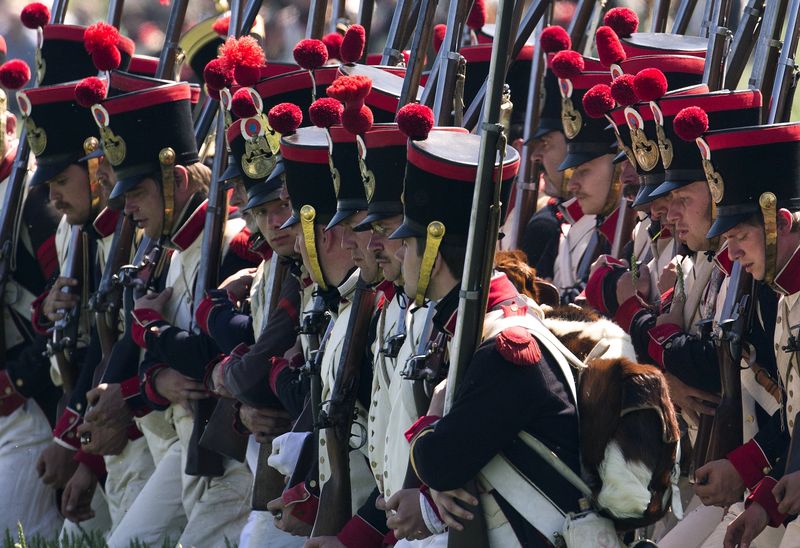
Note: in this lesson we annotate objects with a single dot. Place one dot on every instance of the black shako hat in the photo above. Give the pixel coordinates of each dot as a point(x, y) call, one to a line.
point(735, 161)
point(64, 57)
point(725, 110)
point(440, 181)
point(348, 185)
point(308, 174)
point(56, 128)
point(256, 165)
point(136, 127)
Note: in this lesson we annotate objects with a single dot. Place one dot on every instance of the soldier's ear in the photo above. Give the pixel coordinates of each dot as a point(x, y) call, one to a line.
point(784, 220)
point(11, 124)
point(181, 177)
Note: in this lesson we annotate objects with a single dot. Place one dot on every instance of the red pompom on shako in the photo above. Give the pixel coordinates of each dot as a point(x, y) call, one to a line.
point(598, 100)
point(650, 84)
point(353, 44)
point(518, 346)
point(609, 48)
point(14, 74)
point(415, 121)
point(222, 25)
point(325, 112)
point(358, 122)
point(107, 59)
point(90, 91)
point(242, 104)
point(350, 90)
point(35, 15)
point(333, 42)
point(624, 21)
point(567, 64)
point(477, 15)
point(310, 54)
point(690, 123)
point(622, 90)
point(285, 118)
point(439, 32)
point(245, 56)
point(554, 39)
point(100, 36)
point(217, 75)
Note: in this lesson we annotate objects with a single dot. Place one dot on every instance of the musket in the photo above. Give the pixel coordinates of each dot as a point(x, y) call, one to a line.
point(337, 418)
point(658, 23)
point(420, 43)
point(15, 196)
point(425, 365)
point(718, 40)
point(395, 39)
point(765, 57)
point(446, 63)
point(167, 65)
point(580, 22)
point(534, 14)
point(623, 230)
point(365, 11)
point(338, 13)
point(481, 242)
point(114, 17)
point(527, 182)
point(64, 335)
point(267, 481)
point(744, 40)
point(595, 20)
point(682, 16)
point(316, 18)
point(786, 78)
point(201, 461)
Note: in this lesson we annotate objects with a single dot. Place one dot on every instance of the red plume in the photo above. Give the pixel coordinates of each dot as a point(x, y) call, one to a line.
point(624, 21)
point(90, 91)
point(415, 121)
point(598, 100)
point(285, 118)
point(439, 32)
point(14, 74)
point(358, 122)
point(609, 48)
point(325, 112)
point(353, 44)
point(622, 90)
point(477, 15)
point(554, 39)
point(35, 15)
point(222, 25)
point(245, 56)
point(690, 123)
point(310, 54)
point(100, 37)
point(217, 76)
point(107, 59)
point(242, 104)
point(650, 84)
point(567, 64)
point(350, 90)
point(333, 42)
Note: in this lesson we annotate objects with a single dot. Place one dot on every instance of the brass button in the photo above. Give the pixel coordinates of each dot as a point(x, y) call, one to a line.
point(374, 464)
point(778, 320)
point(766, 470)
point(322, 441)
point(322, 460)
point(668, 345)
point(312, 483)
point(322, 477)
point(371, 448)
point(749, 418)
point(19, 382)
point(789, 409)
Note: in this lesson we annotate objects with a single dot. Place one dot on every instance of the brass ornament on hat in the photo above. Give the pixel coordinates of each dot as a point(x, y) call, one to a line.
point(258, 159)
point(622, 146)
point(644, 150)
point(307, 216)
point(664, 143)
point(367, 177)
point(768, 203)
point(114, 147)
point(433, 239)
point(36, 136)
point(715, 183)
point(571, 118)
point(90, 145)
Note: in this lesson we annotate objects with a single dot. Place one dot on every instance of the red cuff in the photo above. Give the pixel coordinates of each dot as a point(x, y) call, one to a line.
point(277, 365)
point(47, 257)
point(303, 504)
point(204, 309)
point(357, 533)
point(594, 289)
point(95, 463)
point(10, 399)
point(421, 424)
point(762, 494)
point(627, 312)
point(666, 298)
point(150, 389)
point(66, 428)
point(142, 318)
point(659, 341)
point(751, 463)
point(40, 322)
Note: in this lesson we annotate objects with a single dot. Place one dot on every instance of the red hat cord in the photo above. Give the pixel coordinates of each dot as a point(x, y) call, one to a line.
point(311, 54)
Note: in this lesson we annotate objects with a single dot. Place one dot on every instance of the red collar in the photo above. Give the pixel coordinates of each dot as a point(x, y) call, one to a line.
point(723, 260)
point(263, 250)
point(572, 210)
point(500, 290)
point(8, 163)
point(189, 231)
point(387, 288)
point(665, 233)
point(106, 222)
point(787, 281)
point(609, 226)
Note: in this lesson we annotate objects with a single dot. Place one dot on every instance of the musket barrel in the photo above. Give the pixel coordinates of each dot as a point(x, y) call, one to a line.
point(744, 40)
point(658, 23)
point(683, 16)
point(167, 61)
point(784, 81)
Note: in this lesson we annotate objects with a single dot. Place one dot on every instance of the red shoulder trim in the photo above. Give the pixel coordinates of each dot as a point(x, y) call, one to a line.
point(240, 245)
point(517, 345)
point(47, 257)
point(106, 222)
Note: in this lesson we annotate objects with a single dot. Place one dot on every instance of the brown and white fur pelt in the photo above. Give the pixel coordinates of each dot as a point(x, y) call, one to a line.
point(629, 432)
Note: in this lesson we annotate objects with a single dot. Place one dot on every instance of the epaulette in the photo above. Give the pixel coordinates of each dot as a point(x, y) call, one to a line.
point(518, 346)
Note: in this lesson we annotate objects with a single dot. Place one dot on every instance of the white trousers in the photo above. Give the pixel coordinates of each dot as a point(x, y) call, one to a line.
point(128, 473)
point(23, 496)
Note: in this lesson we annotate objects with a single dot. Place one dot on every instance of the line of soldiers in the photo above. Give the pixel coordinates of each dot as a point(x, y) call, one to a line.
point(306, 399)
